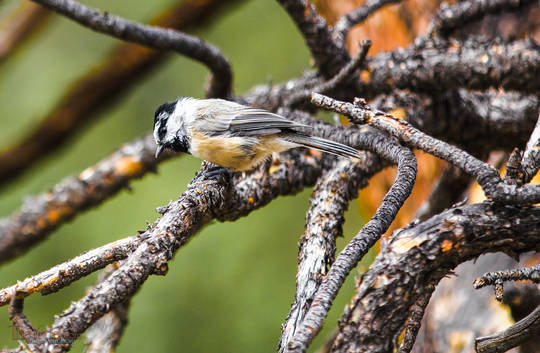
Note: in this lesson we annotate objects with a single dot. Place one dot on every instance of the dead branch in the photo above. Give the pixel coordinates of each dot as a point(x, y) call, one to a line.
point(344, 74)
point(360, 244)
point(64, 274)
point(329, 57)
point(21, 323)
point(526, 273)
point(39, 216)
point(324, 221)
point(531, 156)
point(104, 335)
point(486, 175)
point(153, 37)
point(473, 64)
point(477, 122)
point(357, 16)
point(450, 17)
point(424, 254)
point(512, 336)
point(412, 326)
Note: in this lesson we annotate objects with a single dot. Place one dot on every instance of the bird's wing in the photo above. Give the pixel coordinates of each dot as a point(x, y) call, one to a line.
point(244, 121)
point(260, 122)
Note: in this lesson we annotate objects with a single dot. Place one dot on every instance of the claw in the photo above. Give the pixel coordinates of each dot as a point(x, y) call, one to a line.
point(217, 173)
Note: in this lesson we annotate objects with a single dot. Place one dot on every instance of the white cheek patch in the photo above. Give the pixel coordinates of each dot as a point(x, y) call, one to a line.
point(182, 118)
point(173, 125)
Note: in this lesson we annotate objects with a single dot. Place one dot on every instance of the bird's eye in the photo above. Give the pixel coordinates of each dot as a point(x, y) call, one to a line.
point(162, 130)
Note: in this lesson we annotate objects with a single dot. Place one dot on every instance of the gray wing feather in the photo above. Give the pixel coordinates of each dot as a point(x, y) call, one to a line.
point(245, 121)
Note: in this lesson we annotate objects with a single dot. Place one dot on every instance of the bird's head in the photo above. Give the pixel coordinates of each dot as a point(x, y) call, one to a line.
point(169, 131)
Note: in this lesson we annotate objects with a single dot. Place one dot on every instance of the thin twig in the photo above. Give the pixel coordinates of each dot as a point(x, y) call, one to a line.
point(477, 122)
point(497, 278)
point(513, 336)
point(153, 37)
point(344, 74)
point(20, 322)
point(414, 320)
point(357, 16)
point(514, 174)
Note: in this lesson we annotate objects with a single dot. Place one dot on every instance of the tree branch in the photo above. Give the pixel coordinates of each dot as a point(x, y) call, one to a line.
point(486, 175)
point(451, 17)
point(513, 336)
point(531, 156)
point(477, 122)
point(41, 215)
point(346, 73)
point(104, 335)
point(414, 320)
point(329, 56)
point(154, 37)
point(526, 273)
point(21, 323)
point(357, 16)
point(473, 64)
point(360, 244)
point(64, 274)
point(324, 221)
point(425, 253)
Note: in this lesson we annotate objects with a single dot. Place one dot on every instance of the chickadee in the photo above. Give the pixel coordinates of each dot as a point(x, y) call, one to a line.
point(232, 135)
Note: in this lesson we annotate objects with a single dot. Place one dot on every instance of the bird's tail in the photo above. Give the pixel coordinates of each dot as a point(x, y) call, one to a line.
point(323, 145)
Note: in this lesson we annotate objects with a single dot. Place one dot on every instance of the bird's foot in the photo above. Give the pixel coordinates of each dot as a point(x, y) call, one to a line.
point(218, 173)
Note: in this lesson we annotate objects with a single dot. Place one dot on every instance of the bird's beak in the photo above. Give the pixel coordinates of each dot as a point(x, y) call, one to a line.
point(159, 150)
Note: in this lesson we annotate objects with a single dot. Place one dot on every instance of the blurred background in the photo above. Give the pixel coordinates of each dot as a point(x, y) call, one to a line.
point(231, 287)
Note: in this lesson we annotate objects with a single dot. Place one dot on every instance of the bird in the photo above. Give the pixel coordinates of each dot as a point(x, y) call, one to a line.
point(232, 135)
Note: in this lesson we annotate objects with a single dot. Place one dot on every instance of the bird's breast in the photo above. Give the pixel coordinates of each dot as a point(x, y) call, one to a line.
point(236, 153)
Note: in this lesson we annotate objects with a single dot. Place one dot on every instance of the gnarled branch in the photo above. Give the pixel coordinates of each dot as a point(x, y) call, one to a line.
point(153, 37)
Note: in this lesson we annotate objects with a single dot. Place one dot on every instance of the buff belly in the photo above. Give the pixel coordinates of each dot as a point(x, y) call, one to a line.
point(237, 153)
